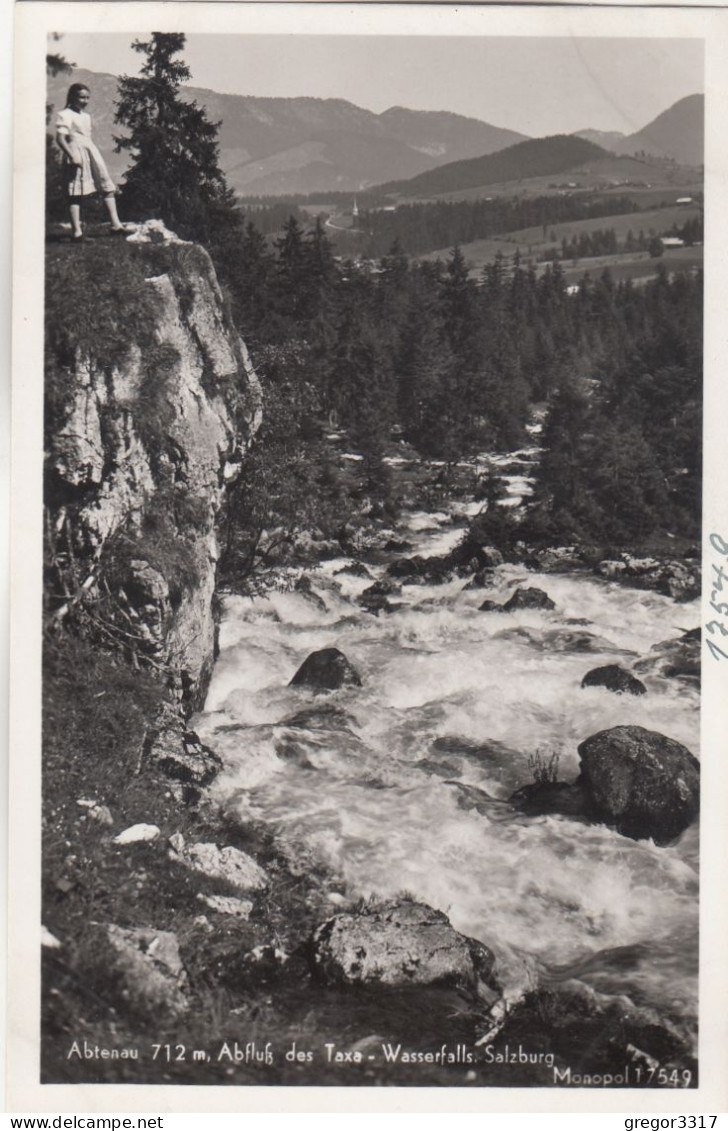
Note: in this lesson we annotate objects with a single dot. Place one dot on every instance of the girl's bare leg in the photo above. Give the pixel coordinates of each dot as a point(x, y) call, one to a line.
point(77, 230)
point(110, 202)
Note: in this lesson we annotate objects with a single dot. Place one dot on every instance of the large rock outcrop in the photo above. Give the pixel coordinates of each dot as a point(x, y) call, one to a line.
point(141, 440)
point(399, 943)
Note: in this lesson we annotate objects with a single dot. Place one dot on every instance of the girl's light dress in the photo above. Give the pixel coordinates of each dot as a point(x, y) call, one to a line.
point(91, 175)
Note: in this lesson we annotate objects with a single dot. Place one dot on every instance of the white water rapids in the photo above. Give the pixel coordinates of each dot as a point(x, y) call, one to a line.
point(455, 698)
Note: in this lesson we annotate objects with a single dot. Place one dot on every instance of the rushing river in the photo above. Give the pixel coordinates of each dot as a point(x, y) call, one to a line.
point(405, 786)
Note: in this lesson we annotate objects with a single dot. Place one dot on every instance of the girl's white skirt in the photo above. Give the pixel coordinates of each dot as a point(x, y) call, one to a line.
point(92, 175)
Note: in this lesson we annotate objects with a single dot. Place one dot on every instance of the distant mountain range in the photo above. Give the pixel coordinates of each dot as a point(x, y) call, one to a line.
point(281, 146)
point(677, 133)
point(607, 139)
point(278, 146)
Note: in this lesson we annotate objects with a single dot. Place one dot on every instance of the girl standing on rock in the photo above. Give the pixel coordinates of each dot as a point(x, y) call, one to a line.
point(84, 168)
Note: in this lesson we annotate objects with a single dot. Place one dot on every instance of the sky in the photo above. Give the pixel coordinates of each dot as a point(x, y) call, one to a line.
point(537, 86)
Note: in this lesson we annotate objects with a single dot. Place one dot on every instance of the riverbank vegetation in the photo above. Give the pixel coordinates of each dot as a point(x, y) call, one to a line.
point(452, 366)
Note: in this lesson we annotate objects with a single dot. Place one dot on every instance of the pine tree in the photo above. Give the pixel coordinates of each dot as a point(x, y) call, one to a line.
point(424, 364)
point(459, 303)
point(174, 174)
point(291, 271)
point(320, 274)
point(463, 328)
point(248, 272)
point(559, 484)
point(630, 486)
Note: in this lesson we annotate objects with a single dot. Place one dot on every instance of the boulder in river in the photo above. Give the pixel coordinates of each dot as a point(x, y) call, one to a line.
point(296, 751)
point(555, 559)
point(410, 570)
point(639, 567)
point(375, 598)
point(326, 670)
point(574, 640)
point(678, 658)
point(399, 943)
point(442, 767)
point(614, 678)
point(640, 782)
point(481, 579)
point(438, 570)
point(321, 717)
point(490, 606)
point(490, 557)
point(470, 797)
point(384, 587)
point(470, 556)
point(304, 585)
point(528, 598)
point(610, 569)
point(677, 579)
point(356, 569)
point(541, 798)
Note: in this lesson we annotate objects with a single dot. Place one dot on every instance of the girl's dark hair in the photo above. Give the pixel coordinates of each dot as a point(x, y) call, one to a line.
point(73, 90)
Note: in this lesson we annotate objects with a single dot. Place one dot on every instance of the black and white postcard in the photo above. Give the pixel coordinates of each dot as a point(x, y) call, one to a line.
point(368, 546)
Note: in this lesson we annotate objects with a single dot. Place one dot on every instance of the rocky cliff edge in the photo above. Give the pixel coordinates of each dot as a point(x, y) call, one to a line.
point(151, 403)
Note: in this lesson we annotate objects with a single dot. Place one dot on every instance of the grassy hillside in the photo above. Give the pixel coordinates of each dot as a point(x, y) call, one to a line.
point(639, 267)
point(653, 185)
point(546, 156)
